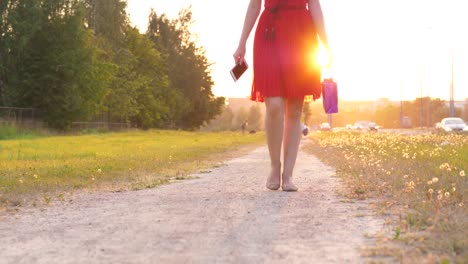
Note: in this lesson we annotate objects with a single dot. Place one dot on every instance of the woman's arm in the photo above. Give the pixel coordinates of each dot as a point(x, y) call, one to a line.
point(317, 15)
point(250, 18)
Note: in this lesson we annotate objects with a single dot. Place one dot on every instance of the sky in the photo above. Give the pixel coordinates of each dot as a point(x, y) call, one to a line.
point(396, 49)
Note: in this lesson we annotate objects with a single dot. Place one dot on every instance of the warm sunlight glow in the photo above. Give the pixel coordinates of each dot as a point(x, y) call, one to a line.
point(386, 49)
point(322, 57)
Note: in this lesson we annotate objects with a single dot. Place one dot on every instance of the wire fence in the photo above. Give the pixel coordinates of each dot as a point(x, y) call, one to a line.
point(18, 116)
point(30, 118)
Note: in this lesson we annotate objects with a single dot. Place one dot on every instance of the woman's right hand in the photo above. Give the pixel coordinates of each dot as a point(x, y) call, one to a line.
point(239, 55)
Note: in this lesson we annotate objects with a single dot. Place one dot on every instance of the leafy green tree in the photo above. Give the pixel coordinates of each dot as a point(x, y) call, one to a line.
point(188, 70)
point(425, 111)
point(437, 110)
point(139, 95)
point(60, 73)
point(227, 118)
point(255, 117)
point(108, 19)
point(74, 58)
point(19, 22)
point(240, 117)
point(388, 116)
point(307, 113)
point(465, 111)
point(222, 122)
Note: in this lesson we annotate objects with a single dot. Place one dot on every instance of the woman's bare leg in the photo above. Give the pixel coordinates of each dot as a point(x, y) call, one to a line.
point(292, 138)
point(274, 125)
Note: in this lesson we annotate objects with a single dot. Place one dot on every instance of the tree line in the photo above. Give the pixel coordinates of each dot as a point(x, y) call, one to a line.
point(232, 120)
point(72, 59)
point(421, 112)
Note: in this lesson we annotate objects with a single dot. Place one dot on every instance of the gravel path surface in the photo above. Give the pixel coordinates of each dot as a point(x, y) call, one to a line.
point(225, 216)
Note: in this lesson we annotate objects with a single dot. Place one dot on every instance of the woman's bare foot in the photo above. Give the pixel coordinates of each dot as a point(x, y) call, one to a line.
point(274, 180)
point(288, 185)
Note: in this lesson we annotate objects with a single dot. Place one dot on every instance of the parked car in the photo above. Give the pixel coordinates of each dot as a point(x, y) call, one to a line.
point(450, 124)
point(325, 127)
point(366, 125)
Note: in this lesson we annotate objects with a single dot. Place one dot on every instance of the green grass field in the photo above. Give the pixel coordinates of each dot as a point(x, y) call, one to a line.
point(12, 132)
point(420, 185)
point(36, 171)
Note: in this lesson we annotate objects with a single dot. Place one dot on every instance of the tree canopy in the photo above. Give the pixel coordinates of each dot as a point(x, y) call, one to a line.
point(73, 59)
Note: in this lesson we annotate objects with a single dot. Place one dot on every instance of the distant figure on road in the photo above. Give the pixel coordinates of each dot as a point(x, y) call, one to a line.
point(305, 129)
point(244, 126)
point(286, 41)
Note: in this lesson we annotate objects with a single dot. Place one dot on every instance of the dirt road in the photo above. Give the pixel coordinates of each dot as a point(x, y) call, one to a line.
point(225, 216)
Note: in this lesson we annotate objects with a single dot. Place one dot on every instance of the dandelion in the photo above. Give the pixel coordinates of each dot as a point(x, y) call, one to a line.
point(462, 173)
point(446, 194)
point(454, 189)
point(406, 155)
point(435, 180)
point(389, 172)
point(431, 191)
point(440, 196)
point(429, 182)
point(405, 176)
point(99, 170)
point(35, 176)
point(409, 186)
point(444, 166)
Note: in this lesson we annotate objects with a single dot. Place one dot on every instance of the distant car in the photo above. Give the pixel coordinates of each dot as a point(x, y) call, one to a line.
point(325, 126)
point(454, 124)
point(366, 125)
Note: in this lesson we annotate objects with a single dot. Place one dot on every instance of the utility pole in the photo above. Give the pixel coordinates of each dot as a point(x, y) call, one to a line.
point(401, 103)
point(428, 109)
point(421, 99)
point(452, 99)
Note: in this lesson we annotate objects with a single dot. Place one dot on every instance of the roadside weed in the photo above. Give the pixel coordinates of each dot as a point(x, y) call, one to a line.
point(419, 180)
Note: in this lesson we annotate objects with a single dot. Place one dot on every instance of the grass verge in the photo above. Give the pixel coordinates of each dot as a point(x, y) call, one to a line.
point(420, 184)
point(12, 132)
point(41, 170)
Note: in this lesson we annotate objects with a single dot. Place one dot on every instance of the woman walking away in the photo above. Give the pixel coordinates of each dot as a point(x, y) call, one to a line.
point(285, 71)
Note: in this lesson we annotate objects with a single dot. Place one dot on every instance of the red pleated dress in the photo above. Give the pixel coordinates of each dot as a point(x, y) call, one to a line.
point(285, 52)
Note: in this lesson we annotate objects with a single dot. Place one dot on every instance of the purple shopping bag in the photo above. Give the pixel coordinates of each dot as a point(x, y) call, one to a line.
point(330, 96)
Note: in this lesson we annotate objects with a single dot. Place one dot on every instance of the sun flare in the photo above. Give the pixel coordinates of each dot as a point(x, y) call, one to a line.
point(323, 58)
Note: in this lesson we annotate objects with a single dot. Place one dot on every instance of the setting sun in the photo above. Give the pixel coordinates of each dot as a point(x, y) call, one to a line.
point(323, 57)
